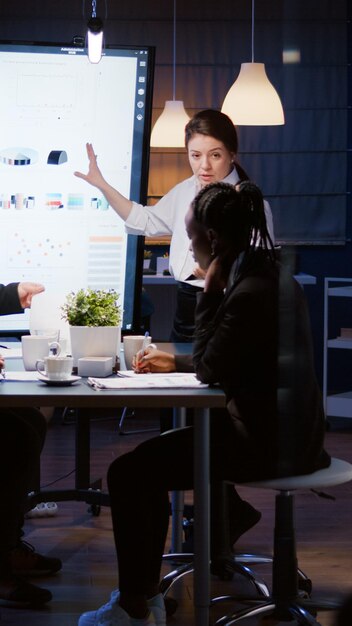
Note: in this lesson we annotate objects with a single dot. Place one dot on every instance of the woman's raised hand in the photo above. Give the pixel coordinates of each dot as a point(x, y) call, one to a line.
point(94, 175)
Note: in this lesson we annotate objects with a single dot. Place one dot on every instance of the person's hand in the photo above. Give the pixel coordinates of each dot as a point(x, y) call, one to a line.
point(215, 280)
point(94, 175)
point(26, 291)
point(198, 272)
point(153, 360)
point(2, 362)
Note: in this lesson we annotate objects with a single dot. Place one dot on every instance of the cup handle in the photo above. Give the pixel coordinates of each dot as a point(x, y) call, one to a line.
point(54, 348)
point(38, 365)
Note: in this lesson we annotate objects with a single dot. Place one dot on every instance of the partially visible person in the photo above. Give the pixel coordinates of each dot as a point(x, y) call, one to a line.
point(236, 345)
point(212, 146)
point(22, 436)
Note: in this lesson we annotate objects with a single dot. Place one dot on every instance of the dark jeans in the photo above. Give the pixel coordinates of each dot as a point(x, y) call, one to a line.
point(139, 482)
point(22, 436)
point(183, 324)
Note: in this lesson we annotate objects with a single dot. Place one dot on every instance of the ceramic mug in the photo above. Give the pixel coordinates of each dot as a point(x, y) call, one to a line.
point(55, 367)
point(131, 345)
point(36, 347)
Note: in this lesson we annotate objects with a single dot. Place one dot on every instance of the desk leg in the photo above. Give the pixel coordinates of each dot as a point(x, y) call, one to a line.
point(201, 518)
point(177, 498)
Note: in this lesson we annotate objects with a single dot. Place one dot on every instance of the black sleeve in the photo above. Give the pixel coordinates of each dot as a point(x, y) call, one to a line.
point(9, 300)
point(184, 363)
point(235, 337)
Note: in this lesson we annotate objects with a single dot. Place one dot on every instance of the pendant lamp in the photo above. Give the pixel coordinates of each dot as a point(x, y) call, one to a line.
point(169, 129)
point(252, 100)
point(95, 36)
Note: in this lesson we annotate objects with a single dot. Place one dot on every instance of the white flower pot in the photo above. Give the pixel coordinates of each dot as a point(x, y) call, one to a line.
point(95, 341)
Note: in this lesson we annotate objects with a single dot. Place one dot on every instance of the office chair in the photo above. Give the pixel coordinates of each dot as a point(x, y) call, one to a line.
point(285, 602)
point(226, 562)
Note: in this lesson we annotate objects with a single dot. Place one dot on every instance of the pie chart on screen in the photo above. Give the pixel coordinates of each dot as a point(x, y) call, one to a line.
point(18, 156)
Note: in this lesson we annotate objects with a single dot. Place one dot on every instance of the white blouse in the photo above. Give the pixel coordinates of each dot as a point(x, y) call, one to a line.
point(167, 217)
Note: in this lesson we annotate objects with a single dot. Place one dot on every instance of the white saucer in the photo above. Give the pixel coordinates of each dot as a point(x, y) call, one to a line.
point(59, 383)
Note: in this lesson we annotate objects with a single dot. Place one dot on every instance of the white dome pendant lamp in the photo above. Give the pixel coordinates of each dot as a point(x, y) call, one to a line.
point(169, 129)
point(252, 100)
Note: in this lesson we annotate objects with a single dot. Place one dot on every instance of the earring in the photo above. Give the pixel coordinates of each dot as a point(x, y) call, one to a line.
point(213, 246)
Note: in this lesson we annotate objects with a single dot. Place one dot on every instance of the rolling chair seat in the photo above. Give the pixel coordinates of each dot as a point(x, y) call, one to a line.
point(285, 602)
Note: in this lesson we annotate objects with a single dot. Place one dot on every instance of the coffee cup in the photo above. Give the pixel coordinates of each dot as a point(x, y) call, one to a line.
point(55, 367)
point(131, 345)
point(35, 347)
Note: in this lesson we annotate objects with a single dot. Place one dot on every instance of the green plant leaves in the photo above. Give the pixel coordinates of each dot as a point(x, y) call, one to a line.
point(92, 307)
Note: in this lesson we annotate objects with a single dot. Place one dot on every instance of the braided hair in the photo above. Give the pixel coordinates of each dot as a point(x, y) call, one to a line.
point(237, 214)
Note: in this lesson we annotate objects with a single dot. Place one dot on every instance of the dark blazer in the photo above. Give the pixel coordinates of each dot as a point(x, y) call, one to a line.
point(9, 300)
point(255, 341)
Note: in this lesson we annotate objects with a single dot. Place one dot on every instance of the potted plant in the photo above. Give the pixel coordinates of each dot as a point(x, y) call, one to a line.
point(94, 318)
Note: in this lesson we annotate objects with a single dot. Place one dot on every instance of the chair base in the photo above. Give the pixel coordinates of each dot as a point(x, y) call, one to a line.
point(238, 563)
point(302, 611)
point(285, 603)
point(184, 566)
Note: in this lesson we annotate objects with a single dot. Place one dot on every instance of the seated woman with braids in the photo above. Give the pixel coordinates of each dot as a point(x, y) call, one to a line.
point(236, 345)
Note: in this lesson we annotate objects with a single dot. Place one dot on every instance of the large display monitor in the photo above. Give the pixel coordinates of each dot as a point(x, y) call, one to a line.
point(54, 227)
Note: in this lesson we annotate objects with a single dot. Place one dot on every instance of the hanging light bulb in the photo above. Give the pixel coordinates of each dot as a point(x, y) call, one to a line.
point(169, 129)
point(95, 36)
point(252, 100)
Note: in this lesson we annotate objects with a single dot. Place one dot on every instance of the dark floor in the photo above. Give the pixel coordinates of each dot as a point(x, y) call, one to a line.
point(84, 542)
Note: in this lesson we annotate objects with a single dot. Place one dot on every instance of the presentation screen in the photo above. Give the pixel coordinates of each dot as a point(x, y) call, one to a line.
point(55, 228)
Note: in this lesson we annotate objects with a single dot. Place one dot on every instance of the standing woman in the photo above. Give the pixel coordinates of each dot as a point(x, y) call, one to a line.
point(212, 146)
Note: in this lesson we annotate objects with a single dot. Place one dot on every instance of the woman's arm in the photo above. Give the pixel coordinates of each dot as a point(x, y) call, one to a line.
point(159, 361)
point(94, 177)
point(17, 296)
point(235, 334)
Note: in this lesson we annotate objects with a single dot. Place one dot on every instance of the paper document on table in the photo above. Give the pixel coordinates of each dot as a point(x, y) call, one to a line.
point(19, 376)
point(131, 380)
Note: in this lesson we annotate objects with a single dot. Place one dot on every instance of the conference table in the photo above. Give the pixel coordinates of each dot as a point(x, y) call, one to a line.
point(81, 396)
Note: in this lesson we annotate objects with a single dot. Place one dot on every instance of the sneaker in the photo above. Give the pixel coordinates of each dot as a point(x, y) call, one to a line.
point(25, 561)
point(157, 607)
point(43, 509)
point(94, 618)
point(114, 616)
point(18, 593)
